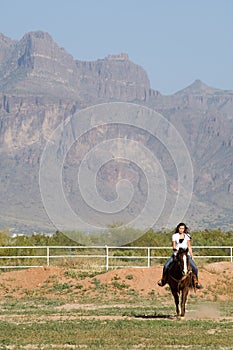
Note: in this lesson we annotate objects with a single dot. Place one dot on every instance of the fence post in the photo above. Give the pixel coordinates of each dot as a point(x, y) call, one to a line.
point(231, 253)
point(106, 247)
point(47, 256)
point(148, 257)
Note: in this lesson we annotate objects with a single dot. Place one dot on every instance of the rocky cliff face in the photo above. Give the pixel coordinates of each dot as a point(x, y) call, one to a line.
point(41, 85)
point(113, 78)
point(37, 66)
point(7, 46)
point(205, 119)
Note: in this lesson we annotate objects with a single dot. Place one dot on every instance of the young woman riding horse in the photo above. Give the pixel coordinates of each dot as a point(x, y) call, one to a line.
point(180, 280)
point(180, 239)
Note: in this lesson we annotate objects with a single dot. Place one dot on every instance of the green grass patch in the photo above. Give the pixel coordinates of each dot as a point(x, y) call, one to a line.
point(140, 323)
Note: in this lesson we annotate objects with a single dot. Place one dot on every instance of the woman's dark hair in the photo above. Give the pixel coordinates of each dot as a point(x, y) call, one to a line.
point(186, 229)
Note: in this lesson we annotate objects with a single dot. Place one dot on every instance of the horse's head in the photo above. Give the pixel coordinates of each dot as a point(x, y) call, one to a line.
point(182, 261)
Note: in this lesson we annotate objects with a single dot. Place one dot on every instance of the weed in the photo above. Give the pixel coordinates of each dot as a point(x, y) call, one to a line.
point(118, 285)
point(129, 277)
point(132, 292)
point(71, 273)
point(62, 286)
point(151, 293)
point(116, 277)
point(85, 274)
point(96, 282)
point(79, 286)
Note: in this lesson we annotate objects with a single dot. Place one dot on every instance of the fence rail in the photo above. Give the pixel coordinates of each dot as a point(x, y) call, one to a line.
point(100, 257)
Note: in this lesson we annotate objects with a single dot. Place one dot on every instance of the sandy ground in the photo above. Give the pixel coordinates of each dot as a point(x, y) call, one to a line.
point(216, 279)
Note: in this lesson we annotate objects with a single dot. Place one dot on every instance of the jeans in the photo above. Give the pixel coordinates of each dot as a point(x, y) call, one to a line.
point(170, 261)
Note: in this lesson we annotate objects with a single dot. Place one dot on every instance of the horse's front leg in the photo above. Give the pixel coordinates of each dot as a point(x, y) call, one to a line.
point(183, 301)
point(176, 298)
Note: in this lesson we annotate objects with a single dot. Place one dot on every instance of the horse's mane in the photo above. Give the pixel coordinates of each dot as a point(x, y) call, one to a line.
point(183, 251)
point(175, 267)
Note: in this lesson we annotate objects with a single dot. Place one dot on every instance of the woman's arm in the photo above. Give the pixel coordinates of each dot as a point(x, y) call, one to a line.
point(190, 249)
point(174, 247)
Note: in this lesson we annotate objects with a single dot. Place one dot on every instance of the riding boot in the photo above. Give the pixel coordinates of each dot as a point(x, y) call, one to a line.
point(196, 284)
point(163, 280)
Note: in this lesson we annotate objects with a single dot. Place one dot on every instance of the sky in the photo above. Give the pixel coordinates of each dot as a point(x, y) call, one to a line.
point(175, 41)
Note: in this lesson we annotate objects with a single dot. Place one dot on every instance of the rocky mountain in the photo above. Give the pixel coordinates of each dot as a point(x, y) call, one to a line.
point(37, 66)
point(41, 86)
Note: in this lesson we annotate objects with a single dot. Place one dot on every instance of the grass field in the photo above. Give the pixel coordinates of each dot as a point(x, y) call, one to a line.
point(66, 310)
point(148, 323)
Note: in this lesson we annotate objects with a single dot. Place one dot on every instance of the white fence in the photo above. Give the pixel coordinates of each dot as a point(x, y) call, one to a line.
point(102, 257)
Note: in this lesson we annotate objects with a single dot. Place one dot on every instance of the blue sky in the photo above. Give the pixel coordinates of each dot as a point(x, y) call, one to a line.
point(175, 41)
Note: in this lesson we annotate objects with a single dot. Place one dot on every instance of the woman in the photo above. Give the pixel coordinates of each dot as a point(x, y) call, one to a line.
point(180, 239)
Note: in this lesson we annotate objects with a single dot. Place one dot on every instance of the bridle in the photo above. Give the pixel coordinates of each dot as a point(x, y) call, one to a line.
point(183, 278)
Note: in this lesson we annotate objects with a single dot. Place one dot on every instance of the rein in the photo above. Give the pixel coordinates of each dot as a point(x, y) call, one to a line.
point(189, 272)
point(182, 279)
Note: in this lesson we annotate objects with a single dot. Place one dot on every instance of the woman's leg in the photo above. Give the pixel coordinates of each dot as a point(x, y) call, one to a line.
point(194, 266)
point(167, 264)
point(163, 280)
point(195, 271)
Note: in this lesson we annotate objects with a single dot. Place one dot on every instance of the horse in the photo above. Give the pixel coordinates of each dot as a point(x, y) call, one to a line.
point(180, 279)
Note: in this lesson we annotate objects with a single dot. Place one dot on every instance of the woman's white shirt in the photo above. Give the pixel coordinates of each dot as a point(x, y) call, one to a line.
point(183, 244)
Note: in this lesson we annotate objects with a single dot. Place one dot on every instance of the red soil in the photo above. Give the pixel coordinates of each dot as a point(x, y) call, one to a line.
point(216, 279)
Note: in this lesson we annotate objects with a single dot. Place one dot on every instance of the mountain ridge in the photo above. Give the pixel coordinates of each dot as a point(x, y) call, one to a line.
point(37, 61)
point(41, 85)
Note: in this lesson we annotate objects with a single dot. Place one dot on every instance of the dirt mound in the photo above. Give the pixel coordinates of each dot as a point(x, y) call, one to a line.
point(216, 278)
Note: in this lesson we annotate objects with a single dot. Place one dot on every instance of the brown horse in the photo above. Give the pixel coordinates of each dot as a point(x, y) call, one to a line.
point(180, 279)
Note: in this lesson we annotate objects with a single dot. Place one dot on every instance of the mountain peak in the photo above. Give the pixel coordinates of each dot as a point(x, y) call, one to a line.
point(37, 35)
point(198, 84)
point(4, 40)
point(197, 87)
point(118, 57)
